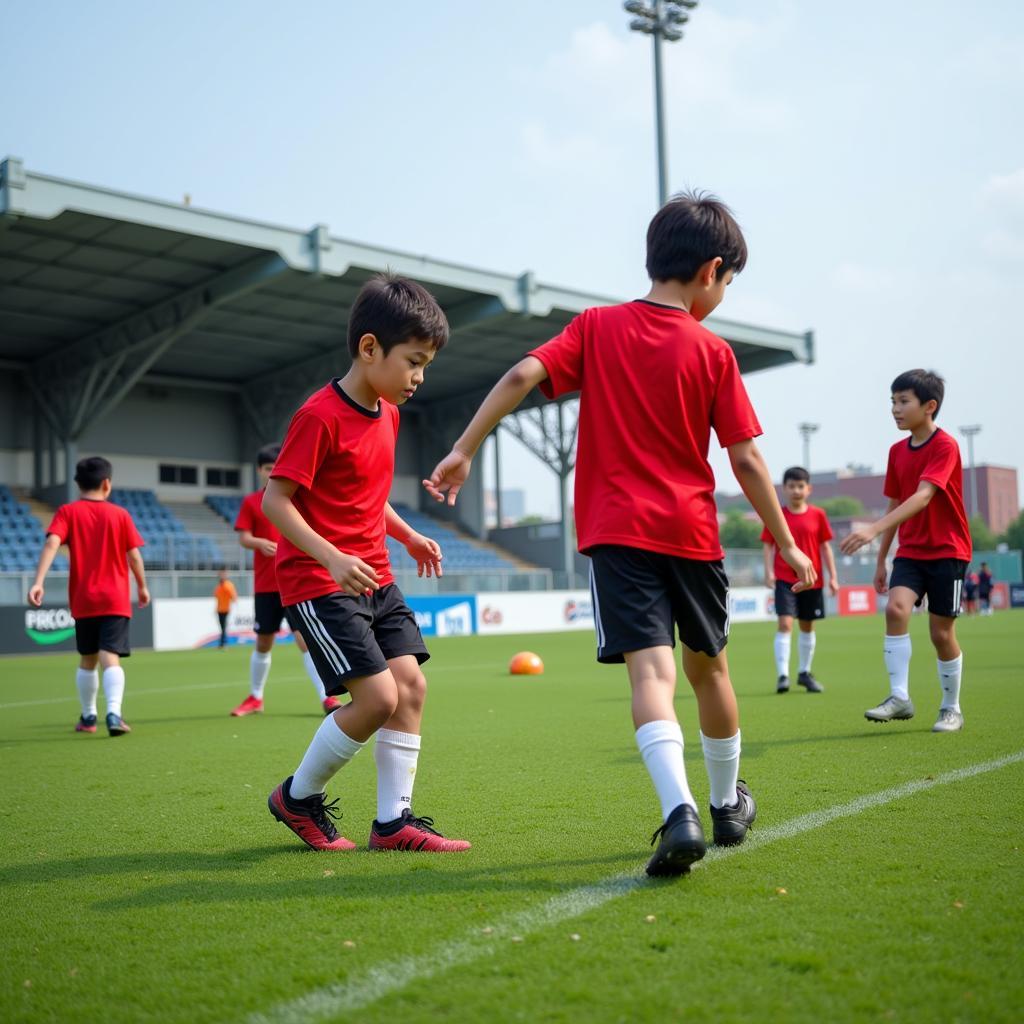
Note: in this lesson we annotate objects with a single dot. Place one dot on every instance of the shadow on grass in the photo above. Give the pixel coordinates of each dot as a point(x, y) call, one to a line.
point(403, 877)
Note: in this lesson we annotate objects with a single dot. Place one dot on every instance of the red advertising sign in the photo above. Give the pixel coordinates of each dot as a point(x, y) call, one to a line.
point(1000, 595)
point(857, 601)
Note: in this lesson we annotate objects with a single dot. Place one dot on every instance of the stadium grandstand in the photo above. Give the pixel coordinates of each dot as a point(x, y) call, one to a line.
point(176, 341)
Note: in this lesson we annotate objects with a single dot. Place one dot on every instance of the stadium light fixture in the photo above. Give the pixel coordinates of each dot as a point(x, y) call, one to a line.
point(970, 433)
point(806, 431)
point(660, 20)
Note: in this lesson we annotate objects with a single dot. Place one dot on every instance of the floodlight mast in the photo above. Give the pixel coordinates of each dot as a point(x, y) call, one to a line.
point(660, 19)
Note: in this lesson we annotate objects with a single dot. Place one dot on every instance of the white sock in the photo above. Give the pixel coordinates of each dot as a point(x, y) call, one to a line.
point(805, 647)
point(314, 676)
point(722, 760)
point(897, 664)
point(950, 673)
point(395, 754)
point(113, 689)
point(661, 747)
point(88, 682)
point(783, 641)
point(259, 669)
point(329, 752)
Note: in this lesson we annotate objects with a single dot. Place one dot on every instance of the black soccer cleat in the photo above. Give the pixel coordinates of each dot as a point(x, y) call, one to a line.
point(809, 683)
point(682, 843)
point(782, 686)
point(732, 823)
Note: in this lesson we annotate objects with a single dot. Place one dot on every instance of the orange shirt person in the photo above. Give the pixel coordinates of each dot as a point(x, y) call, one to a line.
point(226, 596)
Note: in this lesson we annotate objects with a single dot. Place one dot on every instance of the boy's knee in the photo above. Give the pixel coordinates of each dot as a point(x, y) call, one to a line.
point(785, 626)
point(381, 702)
point(412, 690)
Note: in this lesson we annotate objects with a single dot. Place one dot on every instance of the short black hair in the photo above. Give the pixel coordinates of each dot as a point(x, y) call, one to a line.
point(91, 472)
point(394, 309)
point(690, 229)
point(268, 454)
point(796, 473)
point(926, 385)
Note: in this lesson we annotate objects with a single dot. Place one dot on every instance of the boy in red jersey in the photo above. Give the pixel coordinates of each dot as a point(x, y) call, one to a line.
point(654, 383)
point(103, 543)
point(924, 485)
point(328, 497)
point(260, 536)
point(812, 533)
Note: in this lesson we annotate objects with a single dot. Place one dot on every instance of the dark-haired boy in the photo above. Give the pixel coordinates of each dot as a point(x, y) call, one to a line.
point(812, 533)
point(654, 384)
point(104, 544)
point(328, 496)
point(259, 535)
point(924, 485)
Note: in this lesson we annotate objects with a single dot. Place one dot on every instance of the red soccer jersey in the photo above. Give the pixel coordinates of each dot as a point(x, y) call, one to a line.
point(810, 530)
point(99, 535)
point(251, 518)
point(940, 530)
point(342, 456)
point(653, 385)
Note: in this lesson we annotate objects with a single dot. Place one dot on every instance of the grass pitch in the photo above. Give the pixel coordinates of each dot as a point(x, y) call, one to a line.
point(143, 879)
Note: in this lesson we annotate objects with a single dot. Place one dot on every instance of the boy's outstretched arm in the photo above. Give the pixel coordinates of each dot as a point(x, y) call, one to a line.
point(352, 574)
point(138, 569)
point(50, 547)
point(424, 551)
point(830, 564)
point(888, 524)
point(769, 565)
point(751, 472)
point(451, 472)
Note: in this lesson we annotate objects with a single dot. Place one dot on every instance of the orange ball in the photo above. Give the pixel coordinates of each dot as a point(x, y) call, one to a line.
point(526, 663)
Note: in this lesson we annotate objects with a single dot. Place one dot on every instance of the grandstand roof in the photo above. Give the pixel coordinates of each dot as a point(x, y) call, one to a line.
point(168, 293)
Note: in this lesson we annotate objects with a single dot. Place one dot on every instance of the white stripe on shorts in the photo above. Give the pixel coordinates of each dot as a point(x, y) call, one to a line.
point(598, 627)
point(331, 651)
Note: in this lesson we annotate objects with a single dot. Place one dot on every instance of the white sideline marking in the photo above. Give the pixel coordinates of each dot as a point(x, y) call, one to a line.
point(383, 979)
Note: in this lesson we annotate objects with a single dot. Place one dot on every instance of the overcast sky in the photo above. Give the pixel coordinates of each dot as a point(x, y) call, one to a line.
point(873, 153)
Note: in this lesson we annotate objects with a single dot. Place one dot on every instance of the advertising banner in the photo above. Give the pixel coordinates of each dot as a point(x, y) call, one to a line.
point(751, 604)
point(1016, 595)
point(857, 601)
point(534, 612)
point(43, 630)
point(1000, 597)
point(445, 614)
point(186, 622)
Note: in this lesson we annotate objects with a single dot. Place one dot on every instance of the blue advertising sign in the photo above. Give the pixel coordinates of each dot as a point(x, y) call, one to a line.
point(1017, 595)
point(444, 614)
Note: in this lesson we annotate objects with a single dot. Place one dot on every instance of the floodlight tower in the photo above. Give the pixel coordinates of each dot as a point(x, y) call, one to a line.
point(969, 433)
point(660, 19)
point(806, 430)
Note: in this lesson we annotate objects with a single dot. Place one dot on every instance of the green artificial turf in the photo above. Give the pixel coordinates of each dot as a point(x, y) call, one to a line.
point(142, 879)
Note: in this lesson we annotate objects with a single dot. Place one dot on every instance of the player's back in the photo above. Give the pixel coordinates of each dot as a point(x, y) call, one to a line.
point(654, 383)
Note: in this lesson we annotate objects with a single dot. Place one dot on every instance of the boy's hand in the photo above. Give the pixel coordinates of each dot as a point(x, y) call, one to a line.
point(426, 553)
point(353, 575)
point(769, 580)
point(856, 540)
point(881, 580)
point(143, 596)
point(35, 595)
point(801, 565)
point(449, 475)
point(833, 586)
point(267, 547)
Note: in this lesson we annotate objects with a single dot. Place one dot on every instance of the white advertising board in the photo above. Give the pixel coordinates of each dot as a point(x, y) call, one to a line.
point(187, 622)
point(751, 604)
point(534, 612)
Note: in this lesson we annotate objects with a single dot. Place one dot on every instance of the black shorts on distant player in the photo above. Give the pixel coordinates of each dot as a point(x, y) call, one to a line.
point(103, 633)
point(941, 580)
point(352, 637)
point(807, 606)
point(640, 598)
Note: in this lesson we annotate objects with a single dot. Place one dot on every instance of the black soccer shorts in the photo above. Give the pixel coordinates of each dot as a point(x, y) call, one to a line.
point(941, 580)
point(806, 606)
point(352, 637)
point(269, 612)
point(103, 633)
point(641, 597)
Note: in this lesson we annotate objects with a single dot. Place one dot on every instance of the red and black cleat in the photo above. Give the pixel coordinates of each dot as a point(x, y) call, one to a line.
point(310, 819)
point(414, 834)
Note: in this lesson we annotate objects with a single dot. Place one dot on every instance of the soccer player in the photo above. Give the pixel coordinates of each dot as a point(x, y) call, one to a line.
point(924, 485)
point(225, 595)
point(260, 536)
point(104, 544)
point(971, 592)
point(654, 384)
point(812, 533)
point(985, 589)
point(328, 497)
